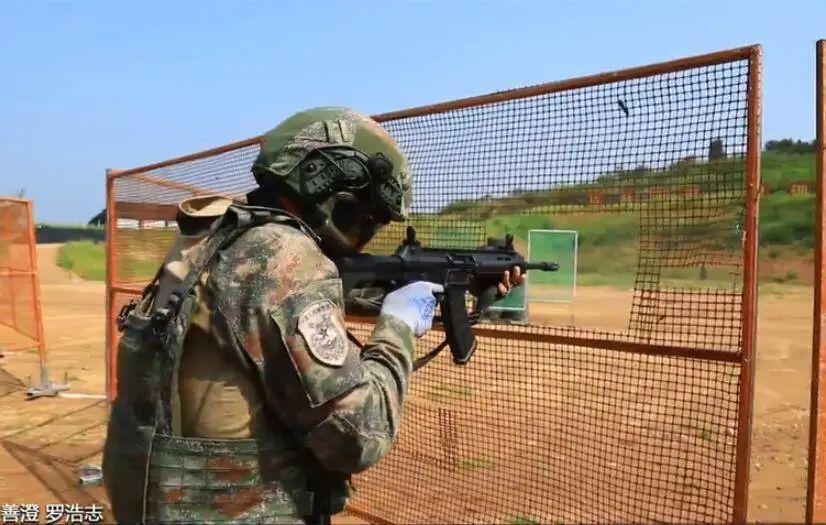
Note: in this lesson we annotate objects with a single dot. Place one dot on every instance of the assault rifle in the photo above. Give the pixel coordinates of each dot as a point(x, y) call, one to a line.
point(458, 270)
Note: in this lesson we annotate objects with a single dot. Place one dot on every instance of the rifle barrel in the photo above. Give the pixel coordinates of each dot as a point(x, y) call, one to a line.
point(544, 266)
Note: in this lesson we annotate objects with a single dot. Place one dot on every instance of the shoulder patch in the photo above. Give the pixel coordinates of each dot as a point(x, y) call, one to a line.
point(324, 332)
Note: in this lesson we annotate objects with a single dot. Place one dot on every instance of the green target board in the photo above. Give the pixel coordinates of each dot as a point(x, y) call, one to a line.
point(558, 246)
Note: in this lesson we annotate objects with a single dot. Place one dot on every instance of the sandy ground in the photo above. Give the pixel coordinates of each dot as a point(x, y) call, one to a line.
point(44, 440)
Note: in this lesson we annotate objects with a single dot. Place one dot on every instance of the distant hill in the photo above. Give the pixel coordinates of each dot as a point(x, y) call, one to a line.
point(608, 223)
point(779, 169)
point(609, 227)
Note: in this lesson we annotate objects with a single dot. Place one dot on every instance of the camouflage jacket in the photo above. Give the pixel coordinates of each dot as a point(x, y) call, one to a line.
point(273, 302)
point(277, 299)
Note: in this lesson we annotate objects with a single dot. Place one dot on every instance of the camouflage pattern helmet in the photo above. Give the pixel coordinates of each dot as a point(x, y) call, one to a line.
point(326, 128)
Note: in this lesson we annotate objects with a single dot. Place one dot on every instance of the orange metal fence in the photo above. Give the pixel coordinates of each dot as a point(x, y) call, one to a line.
point(641, 410)
point(816, 486)
point(21, 322)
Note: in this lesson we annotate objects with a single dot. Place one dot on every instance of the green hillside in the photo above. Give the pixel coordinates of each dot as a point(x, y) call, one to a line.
point(608, 234)
point(779, 169)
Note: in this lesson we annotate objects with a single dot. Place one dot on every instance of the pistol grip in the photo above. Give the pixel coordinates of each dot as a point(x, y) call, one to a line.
point(458, 331)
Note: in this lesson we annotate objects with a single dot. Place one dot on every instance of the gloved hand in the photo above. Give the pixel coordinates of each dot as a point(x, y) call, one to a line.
point(414, 304)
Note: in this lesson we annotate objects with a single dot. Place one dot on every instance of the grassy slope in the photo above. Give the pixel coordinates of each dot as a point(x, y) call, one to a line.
point(84, 258)
point(88, 260)
point(779, 169)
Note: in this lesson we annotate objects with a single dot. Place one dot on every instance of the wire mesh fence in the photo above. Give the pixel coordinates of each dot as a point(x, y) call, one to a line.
point(639, 410)
point(816, 486)
point(20, 318)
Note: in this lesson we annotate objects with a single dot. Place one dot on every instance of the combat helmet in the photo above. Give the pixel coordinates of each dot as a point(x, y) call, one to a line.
point(342, 168)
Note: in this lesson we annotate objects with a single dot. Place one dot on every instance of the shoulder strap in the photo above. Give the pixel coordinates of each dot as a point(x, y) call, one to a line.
point(222, 231)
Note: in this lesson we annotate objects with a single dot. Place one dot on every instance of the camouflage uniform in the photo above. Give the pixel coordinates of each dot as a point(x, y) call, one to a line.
point(240, 397)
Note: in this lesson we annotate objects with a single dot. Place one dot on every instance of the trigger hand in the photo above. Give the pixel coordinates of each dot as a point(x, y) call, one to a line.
point(414, 304)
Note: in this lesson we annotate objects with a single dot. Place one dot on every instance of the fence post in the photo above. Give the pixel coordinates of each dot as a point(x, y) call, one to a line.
point(45, 388)
point(815, 487)
point(749, 316)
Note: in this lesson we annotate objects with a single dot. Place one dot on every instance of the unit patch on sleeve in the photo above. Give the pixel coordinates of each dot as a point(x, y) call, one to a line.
point(323, 330)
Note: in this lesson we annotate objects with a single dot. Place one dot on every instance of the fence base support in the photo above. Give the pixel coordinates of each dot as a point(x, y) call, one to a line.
point(46, 388)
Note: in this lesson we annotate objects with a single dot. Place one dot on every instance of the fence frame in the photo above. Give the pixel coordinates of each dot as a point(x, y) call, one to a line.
point(45, 387)
point(745, 357)
point(816, 479)
point(39, 339)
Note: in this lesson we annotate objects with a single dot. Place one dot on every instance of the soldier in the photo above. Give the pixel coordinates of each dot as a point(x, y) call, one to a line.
point(240, 397)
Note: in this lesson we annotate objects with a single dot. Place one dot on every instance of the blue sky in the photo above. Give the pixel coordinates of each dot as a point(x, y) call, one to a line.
point(88, 85)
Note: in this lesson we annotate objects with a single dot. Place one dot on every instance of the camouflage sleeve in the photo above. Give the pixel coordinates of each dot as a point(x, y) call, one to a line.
point(345, 404)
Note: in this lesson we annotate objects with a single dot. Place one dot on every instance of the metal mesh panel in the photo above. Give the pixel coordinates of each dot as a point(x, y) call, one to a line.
point(19, 310)
point(146, 204)
point(546, 433)
point(645, 139)
point(24, 319)
point(16, 228)
point(636, 410)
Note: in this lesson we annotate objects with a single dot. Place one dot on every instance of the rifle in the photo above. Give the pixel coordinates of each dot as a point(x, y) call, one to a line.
point(458, 270)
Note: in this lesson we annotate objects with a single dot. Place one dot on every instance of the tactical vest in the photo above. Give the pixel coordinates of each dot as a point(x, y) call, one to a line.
point(152, 473)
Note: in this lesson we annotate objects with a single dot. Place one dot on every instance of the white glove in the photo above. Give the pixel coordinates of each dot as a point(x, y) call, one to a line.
point(414, 304)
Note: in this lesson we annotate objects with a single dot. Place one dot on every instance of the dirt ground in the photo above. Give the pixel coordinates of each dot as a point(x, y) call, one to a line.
point(44, 440)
